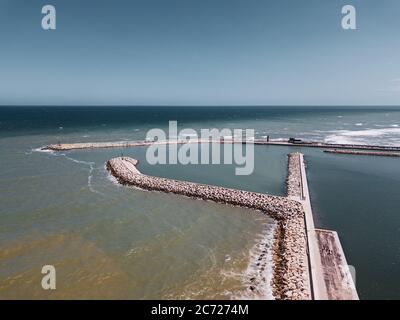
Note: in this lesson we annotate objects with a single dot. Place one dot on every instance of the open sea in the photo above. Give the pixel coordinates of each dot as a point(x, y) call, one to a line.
point(107, 241)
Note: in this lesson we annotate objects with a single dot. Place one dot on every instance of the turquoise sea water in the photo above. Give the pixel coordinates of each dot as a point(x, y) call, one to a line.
point(108, 241)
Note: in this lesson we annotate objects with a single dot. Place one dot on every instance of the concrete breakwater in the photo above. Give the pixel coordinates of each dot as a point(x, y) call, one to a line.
point(365, 153)
point(290, 275)
point(329, 273)
point(141, 143)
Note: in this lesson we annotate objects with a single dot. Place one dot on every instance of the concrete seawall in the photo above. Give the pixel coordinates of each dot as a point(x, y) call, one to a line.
point(298, 190)
point(290, 278)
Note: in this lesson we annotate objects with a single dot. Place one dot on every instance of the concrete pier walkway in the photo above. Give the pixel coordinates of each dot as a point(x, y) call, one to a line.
point(336, 272)
point(329, 273)
point(302, 195)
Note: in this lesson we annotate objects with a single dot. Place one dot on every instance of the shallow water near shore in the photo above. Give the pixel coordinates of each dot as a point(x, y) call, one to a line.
point(109, 241)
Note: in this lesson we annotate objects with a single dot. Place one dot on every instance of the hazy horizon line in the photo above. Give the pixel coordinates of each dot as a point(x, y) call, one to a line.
point(202, 106)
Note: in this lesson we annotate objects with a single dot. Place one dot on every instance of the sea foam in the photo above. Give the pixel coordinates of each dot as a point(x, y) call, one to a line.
point(388, 136)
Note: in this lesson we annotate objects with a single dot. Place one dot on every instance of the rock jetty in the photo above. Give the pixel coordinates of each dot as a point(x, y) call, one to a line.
point(292, 278)
point(126, 144)
point(293, 180)
point(365, 153)
point(257, 141)
point(289, 253)
point(95, 145)
point(279, 208)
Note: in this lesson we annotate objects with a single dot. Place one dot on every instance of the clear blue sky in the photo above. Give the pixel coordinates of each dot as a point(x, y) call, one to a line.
point(200, 52)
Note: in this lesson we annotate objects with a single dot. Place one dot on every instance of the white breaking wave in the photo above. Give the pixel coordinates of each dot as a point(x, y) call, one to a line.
point(45, 151)
point(259, 272)
point(89, 164)
point(387, 136)
point(90, 175)
point(111, 178)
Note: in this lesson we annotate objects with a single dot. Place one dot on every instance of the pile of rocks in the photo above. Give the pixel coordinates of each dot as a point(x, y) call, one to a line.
point(94, 145)
point(364, 153)
point(279, 208)
point(289, 252)
point(291, 276)
point(291, 279)
point(293, 180)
